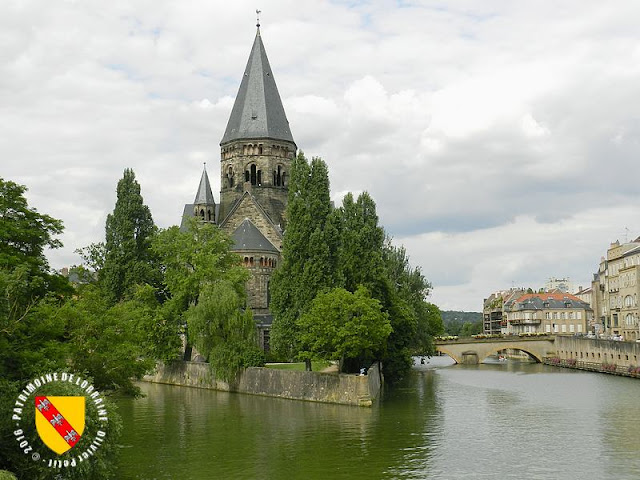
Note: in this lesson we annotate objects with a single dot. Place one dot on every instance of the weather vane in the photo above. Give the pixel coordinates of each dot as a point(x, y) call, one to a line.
point(258, 17)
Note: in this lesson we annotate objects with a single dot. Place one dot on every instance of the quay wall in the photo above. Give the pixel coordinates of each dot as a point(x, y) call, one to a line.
point(358, 390)
point(606, 356)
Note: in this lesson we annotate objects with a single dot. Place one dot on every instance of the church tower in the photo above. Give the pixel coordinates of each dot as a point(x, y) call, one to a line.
point(256, 152)
point(204, 206)
point(257, 147)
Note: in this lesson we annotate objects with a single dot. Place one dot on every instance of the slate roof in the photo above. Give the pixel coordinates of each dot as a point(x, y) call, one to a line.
point(257, 111)
point(541, 301)
point(204, 195)
point(188, 213)
point(248, 237)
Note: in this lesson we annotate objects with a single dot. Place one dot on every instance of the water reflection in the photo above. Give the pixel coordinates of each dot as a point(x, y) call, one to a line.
point(507, 420)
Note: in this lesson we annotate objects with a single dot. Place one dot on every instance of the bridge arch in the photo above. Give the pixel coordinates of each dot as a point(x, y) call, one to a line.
point(476, 351)
point(448, 351)
point(536, 356)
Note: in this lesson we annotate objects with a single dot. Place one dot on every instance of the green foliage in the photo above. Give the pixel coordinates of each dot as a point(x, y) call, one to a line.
point(361, 243)
point(462, 323)
point(309, 252)
point(127, 255)
point(111, 343)
point(43, 329)
point(24, 271)
point(222, 331)
point(344, 325)
point(207, 296)
point(101, 464)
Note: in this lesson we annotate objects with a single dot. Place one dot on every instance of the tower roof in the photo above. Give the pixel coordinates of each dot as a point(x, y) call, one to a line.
point(258, 111)
point(248, 237)
point(204, 195)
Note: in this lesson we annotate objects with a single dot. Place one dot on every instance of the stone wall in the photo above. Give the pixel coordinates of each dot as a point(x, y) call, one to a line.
point(623, 354)
point(297, 385)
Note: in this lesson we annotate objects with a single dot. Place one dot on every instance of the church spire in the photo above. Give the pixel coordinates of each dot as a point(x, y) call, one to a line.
point(258, 111)
point(204, 195)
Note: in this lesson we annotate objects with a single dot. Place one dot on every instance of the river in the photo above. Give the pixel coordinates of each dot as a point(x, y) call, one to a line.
point(505, 420)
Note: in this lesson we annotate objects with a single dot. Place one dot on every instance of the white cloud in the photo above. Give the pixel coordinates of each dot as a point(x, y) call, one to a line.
point(499, 140)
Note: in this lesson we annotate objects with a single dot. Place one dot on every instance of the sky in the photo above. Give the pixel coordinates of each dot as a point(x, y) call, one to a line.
point(499, 139)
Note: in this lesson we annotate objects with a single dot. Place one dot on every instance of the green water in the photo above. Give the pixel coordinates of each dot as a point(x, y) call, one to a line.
point(507, 421)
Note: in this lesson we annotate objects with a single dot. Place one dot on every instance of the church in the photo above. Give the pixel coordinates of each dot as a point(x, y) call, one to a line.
point(256, 152)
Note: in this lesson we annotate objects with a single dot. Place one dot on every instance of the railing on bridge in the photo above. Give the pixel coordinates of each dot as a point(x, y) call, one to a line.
point(495, 336)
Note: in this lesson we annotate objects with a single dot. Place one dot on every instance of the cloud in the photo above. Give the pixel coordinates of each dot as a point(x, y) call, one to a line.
point(488, 146)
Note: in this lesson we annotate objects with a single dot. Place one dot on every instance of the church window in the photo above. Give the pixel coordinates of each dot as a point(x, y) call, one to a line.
point(209, 215)
point(251, 261)
point(246, 260)
point(246, 175)
point(259, 177)
point(230, 176)
point(278, 177)
point(259, 149)
point(284, 176)
point(202, 214)
point(253, 174)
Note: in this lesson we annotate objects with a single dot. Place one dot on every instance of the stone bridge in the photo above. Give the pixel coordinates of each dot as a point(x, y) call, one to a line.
point(472, 351)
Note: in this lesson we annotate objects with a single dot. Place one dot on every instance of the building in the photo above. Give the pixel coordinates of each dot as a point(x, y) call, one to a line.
point(615, 290)
point(494, 321)
point(585, 294)
point(563, 285)
point(557, 313)
point(256, 152)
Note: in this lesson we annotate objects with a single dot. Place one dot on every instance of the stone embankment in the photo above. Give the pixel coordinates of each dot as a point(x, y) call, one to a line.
point(359, 390)
point(596, 355)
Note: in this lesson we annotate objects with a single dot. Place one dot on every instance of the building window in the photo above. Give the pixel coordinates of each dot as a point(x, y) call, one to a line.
point(628, 301)
point(564, 328)
point(572, 328)
point(547, 328)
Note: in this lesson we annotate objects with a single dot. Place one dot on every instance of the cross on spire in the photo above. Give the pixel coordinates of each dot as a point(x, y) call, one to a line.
point(258, 12)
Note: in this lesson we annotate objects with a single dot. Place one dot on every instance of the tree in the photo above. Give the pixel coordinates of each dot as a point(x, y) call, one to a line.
point(346, 326)
point(361, 242)
point(127, 255)
point(206, 284)
point(25, 276)
point(112, 343)
point(309, 252)
point(223, 331)
point(34, 334)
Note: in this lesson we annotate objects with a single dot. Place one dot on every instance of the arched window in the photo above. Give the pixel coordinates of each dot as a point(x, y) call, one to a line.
point(628, 319)
point(284, 176)
point(279, 176)
point(209, 215)
point(253, 174)
point(202, 214)
point(230, 176)
point(259, 177)
point(628, 301)
point(247, 176)
point(259, 149)
point(246, 260)
point(251, 261)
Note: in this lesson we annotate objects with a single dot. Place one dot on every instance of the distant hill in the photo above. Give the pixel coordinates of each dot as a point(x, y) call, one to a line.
point(453, 316)
point(462, 323)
